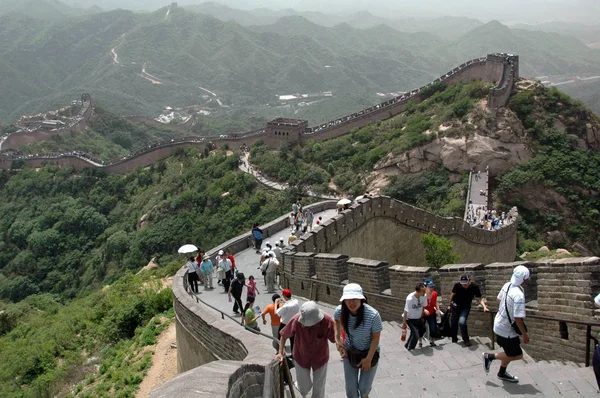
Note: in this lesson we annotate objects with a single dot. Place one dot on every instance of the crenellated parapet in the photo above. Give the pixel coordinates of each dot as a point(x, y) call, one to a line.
point(389, 230)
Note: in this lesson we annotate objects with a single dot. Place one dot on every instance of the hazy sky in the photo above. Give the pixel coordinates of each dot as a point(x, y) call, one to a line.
point(526, 11)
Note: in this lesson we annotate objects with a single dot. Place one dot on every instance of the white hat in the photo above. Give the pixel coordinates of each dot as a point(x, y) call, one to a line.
point(271, 253)
point(352, 291)
point(310, 314)
point(205, 257)
point(267, 243)
point(520, 275)
point(221, 252)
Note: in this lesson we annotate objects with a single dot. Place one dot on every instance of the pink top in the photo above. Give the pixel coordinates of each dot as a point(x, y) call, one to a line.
point(311, 349)
point(251, 288)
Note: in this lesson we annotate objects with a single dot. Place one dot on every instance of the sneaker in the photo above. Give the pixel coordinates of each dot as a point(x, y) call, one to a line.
point(508, 377)
point(432, 344)
point(487, 362)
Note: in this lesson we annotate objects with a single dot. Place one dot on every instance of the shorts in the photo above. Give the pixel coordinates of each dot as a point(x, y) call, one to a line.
point(511, 346)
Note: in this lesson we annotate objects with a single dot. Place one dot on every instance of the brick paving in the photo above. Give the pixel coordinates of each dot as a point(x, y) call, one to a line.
point(447, 370)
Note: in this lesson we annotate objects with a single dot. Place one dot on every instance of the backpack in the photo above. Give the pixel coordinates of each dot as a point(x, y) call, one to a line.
point(236, 287)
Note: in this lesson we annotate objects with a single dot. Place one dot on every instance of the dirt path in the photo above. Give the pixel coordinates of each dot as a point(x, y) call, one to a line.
point(164, 363)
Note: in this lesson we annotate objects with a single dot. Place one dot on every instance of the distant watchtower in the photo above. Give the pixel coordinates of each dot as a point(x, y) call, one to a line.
point(86, 98)
point(282, 130)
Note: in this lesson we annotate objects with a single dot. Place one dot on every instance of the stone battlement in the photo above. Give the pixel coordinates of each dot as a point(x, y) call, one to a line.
point(389, 230)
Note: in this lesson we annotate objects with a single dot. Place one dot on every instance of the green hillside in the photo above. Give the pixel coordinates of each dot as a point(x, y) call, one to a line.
point(588, 92)
point(557, 192)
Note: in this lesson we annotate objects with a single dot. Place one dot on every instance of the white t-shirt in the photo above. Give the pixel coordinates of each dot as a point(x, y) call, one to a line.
point(225, 264)
point(191, 266)
point(289, 309)
point(516, 309)
point(597, 299)
point(414, 306)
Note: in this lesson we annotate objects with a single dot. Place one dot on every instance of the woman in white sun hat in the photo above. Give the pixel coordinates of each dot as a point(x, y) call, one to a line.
point(360, 351)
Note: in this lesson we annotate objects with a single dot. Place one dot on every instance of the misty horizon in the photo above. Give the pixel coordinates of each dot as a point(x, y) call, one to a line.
point(506, 11)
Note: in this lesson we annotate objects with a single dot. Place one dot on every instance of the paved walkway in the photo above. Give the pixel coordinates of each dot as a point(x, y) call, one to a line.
point(444, 371)
point(247, 168)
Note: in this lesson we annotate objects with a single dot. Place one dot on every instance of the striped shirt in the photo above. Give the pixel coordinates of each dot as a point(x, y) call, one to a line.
point(360, 338)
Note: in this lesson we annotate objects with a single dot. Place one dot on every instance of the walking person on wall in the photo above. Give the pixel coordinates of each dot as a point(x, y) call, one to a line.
point(286, 308)
point(414, 309)
point(509, 324)
point(461, 298)
point(312, 329)
point(432, 310)
point(249, 317)
point(235, 291)
point(360, 350)
point(269, 267)
point(275, 320)
point(225, 266)
point(596, 358)
point(257, 234)
point(192, 274)
point(206, 268)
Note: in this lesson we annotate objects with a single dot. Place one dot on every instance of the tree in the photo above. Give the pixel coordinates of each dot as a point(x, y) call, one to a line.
point(438, 250)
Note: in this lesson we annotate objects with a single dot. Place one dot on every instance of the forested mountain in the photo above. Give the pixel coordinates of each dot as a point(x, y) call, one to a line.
point(44, 9)
point(139, 63)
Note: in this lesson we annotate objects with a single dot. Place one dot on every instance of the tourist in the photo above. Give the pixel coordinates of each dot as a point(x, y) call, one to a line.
point(287, 307)
point(269, 267)
point(431, 311)
point(461, 298)
point(413, 317)
point(198, 259)
point(362, 326)
point(309, 216)
point(249, 317)
point(192, 274)
point(275, 320)
point(257, 234)
point(509, 324)
point(235, 290)
point(206, 268)
point(252, 290)
point(224, 263)
point(232, 260)
point(312, 329)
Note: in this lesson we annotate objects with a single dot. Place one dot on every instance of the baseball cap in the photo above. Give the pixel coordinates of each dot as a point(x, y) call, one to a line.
point(352, 291)
point(287, 293)
point(221, 252)
point(464, 279)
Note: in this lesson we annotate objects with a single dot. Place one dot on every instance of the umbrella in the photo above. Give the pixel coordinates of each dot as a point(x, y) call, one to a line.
point(344, 202)
point(187, 249)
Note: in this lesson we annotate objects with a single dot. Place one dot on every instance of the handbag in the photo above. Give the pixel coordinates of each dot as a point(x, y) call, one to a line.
point(513, 324)
point(355, 356)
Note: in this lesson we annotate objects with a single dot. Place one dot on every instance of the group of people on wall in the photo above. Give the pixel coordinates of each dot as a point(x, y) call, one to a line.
point(355, 327)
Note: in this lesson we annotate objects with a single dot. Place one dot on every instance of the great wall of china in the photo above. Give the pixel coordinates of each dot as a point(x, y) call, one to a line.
point(319, 264)
point(500, 69)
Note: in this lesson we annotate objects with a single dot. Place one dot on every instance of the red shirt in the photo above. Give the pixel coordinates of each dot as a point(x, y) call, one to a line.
point(311, 349)
point(431, 302)
point(232, 262)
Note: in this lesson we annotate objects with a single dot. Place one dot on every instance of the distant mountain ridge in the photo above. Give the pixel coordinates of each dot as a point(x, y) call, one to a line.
point(44, 9)
point(172, 56)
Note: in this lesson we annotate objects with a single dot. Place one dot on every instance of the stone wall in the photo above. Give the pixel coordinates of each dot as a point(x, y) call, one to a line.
point(387, 230)
point(561, 289)
point(216, 355)
point(489, 69)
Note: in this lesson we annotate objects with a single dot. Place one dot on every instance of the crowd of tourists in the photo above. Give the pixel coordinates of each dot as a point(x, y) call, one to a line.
point(481, 217)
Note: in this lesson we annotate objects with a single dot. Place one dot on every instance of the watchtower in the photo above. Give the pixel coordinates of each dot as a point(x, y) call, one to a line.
point(284, 131)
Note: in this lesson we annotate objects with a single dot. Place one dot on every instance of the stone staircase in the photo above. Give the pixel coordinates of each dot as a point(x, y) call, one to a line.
point(454, 370)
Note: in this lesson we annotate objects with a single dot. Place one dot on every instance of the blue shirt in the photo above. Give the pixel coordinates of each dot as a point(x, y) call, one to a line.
point(206, 266)
point(360, 338)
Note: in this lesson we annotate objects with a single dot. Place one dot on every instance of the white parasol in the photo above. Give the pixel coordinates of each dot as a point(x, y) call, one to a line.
point(187, 249)
point(344, 202)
